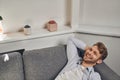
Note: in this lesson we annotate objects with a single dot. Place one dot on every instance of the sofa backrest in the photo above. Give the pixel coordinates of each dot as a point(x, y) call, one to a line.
point(12, 69)
point(44, 64)
point(106, 72)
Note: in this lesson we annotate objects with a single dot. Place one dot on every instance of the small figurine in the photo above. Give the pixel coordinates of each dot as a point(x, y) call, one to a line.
point(6, 57)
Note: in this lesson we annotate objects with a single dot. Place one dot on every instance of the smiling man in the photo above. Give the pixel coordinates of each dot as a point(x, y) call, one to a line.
point(78, 68)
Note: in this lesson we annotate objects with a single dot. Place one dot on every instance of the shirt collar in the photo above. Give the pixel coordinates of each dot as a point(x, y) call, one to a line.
point(89, 69)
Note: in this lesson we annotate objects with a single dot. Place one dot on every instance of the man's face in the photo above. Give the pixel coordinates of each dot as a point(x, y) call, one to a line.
point(92, 55)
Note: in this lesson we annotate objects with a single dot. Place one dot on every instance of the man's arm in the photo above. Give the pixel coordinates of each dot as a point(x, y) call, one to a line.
point(79, 43)
point(72, 51)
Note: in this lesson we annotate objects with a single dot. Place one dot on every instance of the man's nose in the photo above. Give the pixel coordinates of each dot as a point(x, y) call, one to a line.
point(90, 52)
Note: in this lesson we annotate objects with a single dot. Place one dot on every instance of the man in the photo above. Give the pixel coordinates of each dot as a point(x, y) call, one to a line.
point(78, 68)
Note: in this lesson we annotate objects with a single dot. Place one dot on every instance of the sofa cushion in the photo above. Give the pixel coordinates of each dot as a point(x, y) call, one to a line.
point(44, 64)
point(12, 69)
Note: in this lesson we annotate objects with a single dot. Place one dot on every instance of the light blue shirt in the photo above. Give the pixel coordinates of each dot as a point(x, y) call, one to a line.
point(90, 74)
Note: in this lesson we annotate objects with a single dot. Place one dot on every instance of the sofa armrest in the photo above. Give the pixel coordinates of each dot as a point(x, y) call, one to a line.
point(106, 72)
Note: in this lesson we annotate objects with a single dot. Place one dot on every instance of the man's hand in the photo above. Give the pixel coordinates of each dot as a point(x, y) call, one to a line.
point(87, 47)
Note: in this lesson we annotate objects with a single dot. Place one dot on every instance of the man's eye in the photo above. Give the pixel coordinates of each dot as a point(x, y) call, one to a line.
point(95, 53)
point(90, 49)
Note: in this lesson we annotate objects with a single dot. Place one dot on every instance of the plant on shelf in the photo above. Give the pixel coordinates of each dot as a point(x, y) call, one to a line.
point(1, 29)
point(51, 25)
point(1, 18)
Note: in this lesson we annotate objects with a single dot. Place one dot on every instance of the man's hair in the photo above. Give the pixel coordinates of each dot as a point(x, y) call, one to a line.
point(102, 49)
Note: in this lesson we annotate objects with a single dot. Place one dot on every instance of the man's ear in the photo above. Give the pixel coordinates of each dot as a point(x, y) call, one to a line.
point(99, 61)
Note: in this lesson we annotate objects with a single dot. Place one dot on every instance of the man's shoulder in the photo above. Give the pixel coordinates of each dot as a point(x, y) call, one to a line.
point(96, 75)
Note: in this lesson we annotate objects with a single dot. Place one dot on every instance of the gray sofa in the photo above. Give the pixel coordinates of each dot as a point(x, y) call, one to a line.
point(42, 64)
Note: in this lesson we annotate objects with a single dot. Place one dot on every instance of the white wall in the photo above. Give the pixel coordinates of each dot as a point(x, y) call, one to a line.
point(100, 12)
point(113, 45)
point(17, 13)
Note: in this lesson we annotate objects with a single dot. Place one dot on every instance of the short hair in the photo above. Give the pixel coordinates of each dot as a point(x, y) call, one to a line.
point(102, 49)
